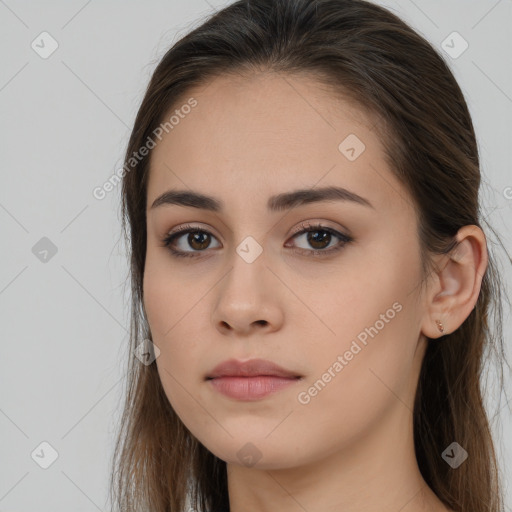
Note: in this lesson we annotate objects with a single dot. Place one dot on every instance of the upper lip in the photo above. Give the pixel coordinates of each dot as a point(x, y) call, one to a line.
point(250, 368)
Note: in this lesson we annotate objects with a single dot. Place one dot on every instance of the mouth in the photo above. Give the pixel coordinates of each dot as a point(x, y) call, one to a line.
point(250, 388)
point(251, 368)
point(250, 380)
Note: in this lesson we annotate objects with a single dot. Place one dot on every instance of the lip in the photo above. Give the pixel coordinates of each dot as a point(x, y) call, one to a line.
point(250, 368)
point(250, 380)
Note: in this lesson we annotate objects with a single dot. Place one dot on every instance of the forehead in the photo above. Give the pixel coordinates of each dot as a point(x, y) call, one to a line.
point(262, 134)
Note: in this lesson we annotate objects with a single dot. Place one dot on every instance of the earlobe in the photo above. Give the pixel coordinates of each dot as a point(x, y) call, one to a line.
point(458, 283)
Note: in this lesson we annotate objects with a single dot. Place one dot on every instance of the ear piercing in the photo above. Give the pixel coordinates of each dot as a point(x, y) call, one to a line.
point(440, 326)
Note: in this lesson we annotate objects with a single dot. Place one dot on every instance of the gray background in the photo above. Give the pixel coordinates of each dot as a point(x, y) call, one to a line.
point(65, 124)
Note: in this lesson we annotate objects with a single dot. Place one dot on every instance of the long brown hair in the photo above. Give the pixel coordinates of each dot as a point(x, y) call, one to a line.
point(369, 55)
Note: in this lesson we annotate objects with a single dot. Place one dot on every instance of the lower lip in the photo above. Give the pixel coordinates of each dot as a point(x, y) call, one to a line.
point(250, 388)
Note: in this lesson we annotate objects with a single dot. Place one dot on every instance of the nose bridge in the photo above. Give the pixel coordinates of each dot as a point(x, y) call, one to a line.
point(247, 262)
point(248, 239)
point(244, 297)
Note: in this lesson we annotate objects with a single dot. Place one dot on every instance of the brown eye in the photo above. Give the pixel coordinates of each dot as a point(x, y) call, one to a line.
point(318, 239)
point(199, 240)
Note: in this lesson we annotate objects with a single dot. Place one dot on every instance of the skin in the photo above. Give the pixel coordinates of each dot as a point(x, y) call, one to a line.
point(351, 447)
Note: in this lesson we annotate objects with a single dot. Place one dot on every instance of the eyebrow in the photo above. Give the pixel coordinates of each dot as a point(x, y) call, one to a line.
point(277, 203)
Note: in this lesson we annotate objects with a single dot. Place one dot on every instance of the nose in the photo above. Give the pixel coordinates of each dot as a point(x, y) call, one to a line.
point(248, 300)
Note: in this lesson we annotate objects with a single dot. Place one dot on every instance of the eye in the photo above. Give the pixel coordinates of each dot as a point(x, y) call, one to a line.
point(318, 237)
point(198, 239)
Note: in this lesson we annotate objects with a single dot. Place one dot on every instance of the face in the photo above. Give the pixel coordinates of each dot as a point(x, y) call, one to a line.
point(325, 286)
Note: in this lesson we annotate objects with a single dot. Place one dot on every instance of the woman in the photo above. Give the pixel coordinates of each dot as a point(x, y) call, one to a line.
point(310, 278)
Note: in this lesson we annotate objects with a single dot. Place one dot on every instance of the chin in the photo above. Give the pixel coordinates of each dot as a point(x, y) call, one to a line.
point(255, 452)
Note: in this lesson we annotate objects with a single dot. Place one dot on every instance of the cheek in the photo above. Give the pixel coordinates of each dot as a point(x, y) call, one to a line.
point(367, 358)
point(354, 385)
point(153, 285)
point(170, 307)
point(166, 298)
point(356, 300)
point(166, 310)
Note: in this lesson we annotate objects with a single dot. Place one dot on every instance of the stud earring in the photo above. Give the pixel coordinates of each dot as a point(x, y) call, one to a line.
point(440, 326)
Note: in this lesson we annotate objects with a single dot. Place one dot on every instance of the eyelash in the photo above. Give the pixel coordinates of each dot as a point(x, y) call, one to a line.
point(303, 228)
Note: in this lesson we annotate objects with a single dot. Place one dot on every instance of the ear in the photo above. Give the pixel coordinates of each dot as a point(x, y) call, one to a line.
point(456, 285)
